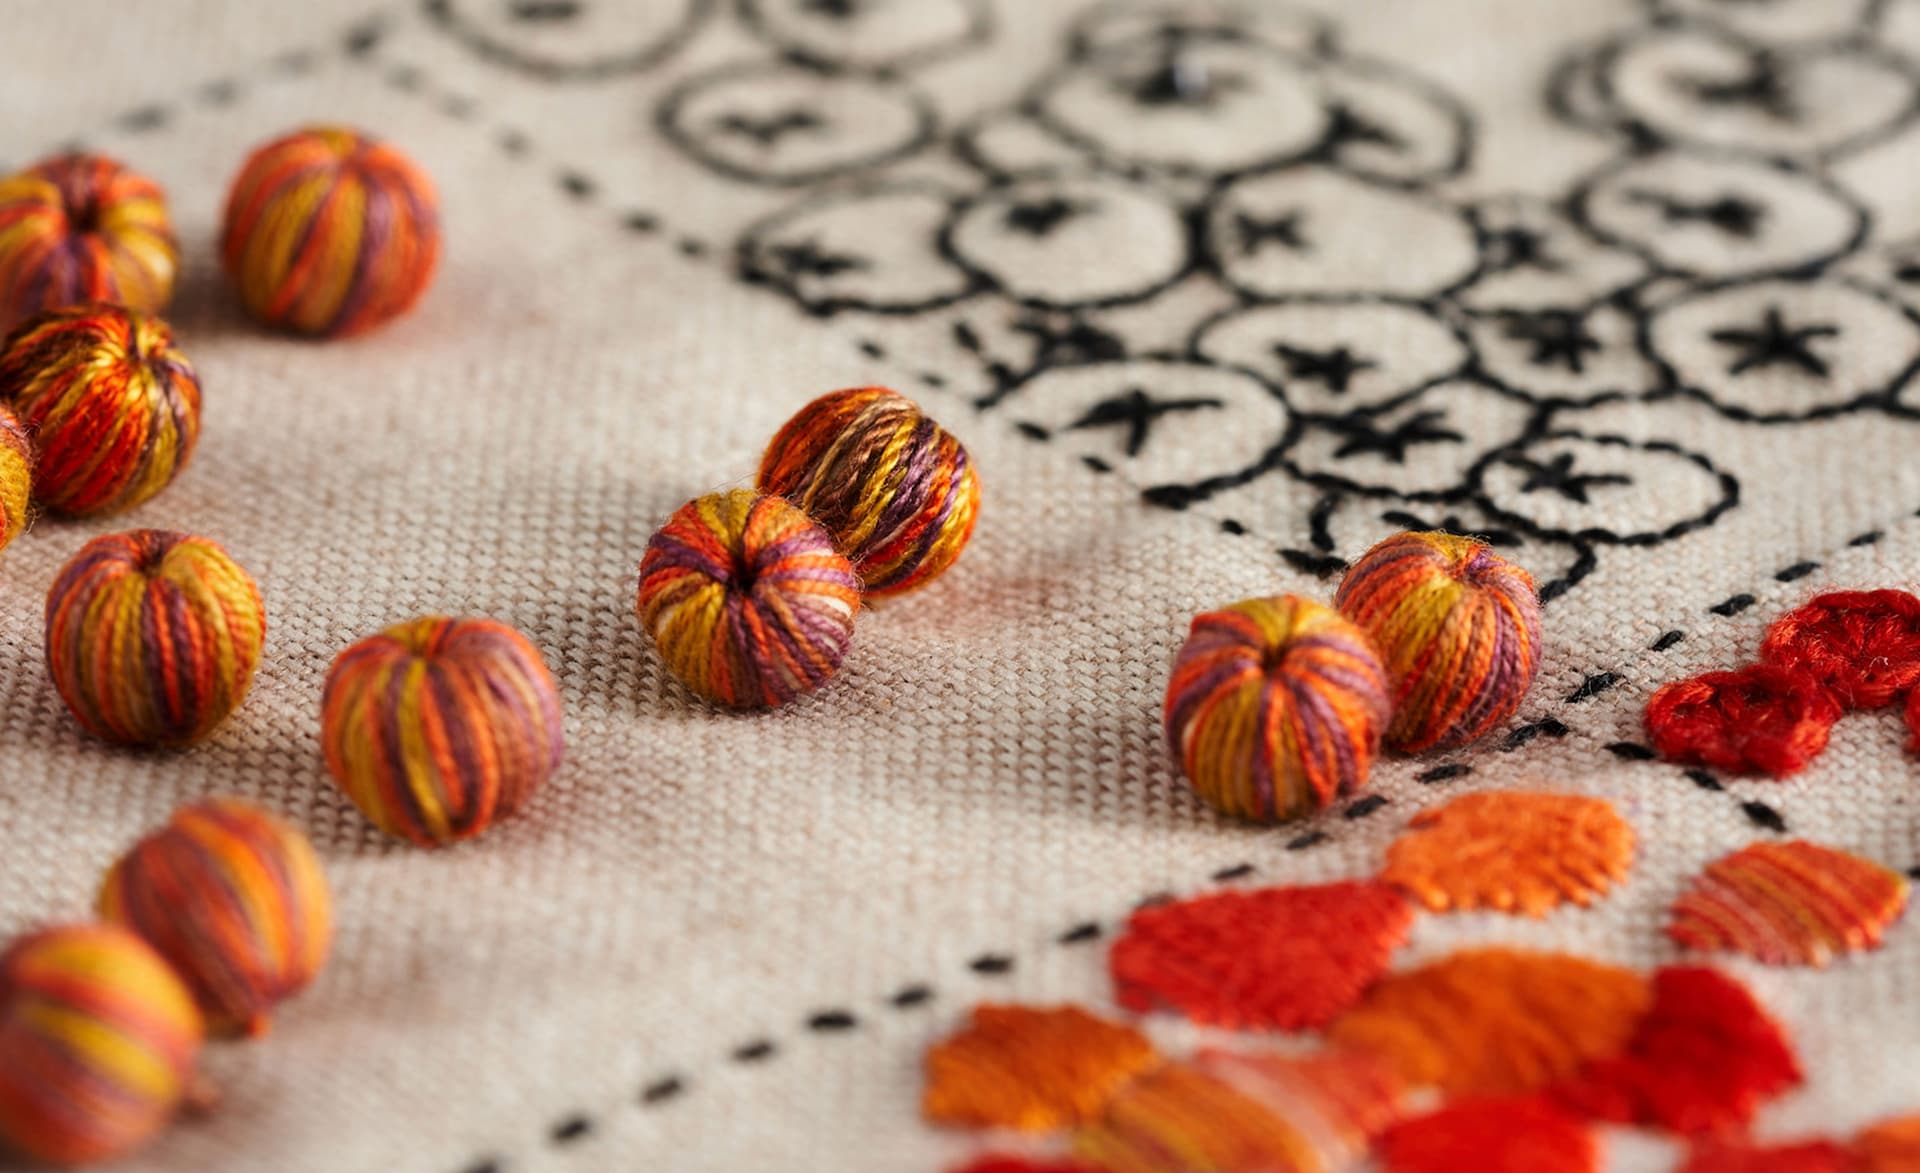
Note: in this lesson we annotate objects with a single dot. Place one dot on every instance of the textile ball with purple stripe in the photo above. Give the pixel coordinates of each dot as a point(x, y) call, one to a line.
point(329, 232)
point(1275, 708)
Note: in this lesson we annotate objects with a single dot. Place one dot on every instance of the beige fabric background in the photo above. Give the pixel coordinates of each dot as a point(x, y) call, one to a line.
point(987, 772)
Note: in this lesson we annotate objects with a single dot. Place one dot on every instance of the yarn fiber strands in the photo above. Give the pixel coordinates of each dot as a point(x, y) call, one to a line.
point(329, 232)
point(437, 727)
point(76, 229)
point(98, 1039)
point(16, 477)
point(112, 408)
point(152, 637)
point(896, 490)
point(1275, 707)
point(234, 899)
point(747, 599)
point(1458, 627)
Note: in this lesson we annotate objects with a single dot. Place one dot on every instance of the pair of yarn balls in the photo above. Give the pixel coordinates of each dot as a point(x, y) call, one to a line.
point(1276, 707)
point(152, 638)
point(329, 232)
point(80, 229)
point(111, 406)
point(751, 596)
point(234, 899)
point(98, 1040)
point(436, 727)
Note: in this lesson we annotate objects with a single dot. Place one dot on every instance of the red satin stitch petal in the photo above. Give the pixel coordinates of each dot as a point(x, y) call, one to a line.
point(1813, 1156)
point(1524, 1135)
point(1273, 959)
point(1762, 718)
point(1006, 1163)
point(1863, 645)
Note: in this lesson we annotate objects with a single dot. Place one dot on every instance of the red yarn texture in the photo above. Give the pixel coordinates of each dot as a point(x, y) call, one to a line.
point(1813, 1156)
point(1272, 959)
point(1762, 718)
point(1525, 1135)
point(1702, 1061)
point(1863, 645)
point(1005, 1163)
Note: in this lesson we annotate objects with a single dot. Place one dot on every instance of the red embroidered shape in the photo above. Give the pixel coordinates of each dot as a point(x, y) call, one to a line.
point(1271, 959)
point(1703, 1060)
point(1031, 1069)
point(1762, 718)
point(1525, 1135)
point(1512, 851)
point(1813, 1156)
point(1794, 903)
point(1009, 1163)
point(1863, 645)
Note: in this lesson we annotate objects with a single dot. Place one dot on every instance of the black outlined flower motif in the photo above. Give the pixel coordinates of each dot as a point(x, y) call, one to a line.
point(1532, 257)
point(1565, 354)
point(1422, 448)
point(1603, 490)
point(1338, 355)
point(1390, 125)
point(872, 249)
point(570, 40)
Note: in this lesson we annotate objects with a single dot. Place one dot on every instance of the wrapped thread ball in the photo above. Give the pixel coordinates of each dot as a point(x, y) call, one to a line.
point(112, 407)
point(1275, 708)
point(437, 727)
point(747, 599)
point(98, 1038)
point(16, 477)
point(234, 899)
point(153, 637)
point(1458, 627)
point(330, 233)
point(895, 489)
point(78, 229)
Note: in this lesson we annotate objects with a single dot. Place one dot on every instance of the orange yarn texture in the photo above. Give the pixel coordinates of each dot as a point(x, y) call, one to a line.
point(1794, 903)
point(1511, 851)
point(1274, 959)
point(1031, 1069)
point(1496, 1021)
point(1892, 1146)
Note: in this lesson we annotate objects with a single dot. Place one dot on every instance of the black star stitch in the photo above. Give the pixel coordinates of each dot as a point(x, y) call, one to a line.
point(1392, 443)
point(833, 9)
point(1077, 342)
point(1334, 369)
point(1345, 127)
point(1138, 411)
point(1764, 88)
point(1774, 342)
point(1254, 233)
point(806, 258)
point(1558, 337)
point(1730, 213)
point(1560, 476)
point(1177, 81)
point(767, 132)
point(1041, 217)
point(1521, 248)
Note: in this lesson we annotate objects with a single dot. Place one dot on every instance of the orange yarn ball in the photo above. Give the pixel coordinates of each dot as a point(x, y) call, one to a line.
point(112, 407)
point(329, 233)
point(895, 490)
point(83, 228)
point(235, 900)
point(98, 1039)
point(16, 477)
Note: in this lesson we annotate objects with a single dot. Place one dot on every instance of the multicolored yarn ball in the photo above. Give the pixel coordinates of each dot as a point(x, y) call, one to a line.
point(98, 1039)
point(747, 599)
point(153, 637)
point(1275, 708)
point(112, 407)
point(1458, 627)
point(235, 900)
point(16, 477)
point(329, 233)
point(895, 489)
point(77, 229)
point(437, 727)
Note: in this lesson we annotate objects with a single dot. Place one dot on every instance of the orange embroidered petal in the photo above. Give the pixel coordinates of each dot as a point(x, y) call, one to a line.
point(1018, 1067)
point(1231, 1113)
point(1273, 959)
point(1511, 851)
point(1702, 1061)
point(1813, 1156)
point(1497, 1021)
point(1892, 1146)
point(1791, 903)
point(1526, 1135)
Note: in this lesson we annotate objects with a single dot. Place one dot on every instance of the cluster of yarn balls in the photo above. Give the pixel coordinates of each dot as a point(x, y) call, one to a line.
point(1277, 707)
point(1847, 650)
point(203, 927)
point(750, 595)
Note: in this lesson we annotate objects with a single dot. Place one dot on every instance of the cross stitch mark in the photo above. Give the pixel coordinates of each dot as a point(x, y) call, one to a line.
point(1138, 412)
